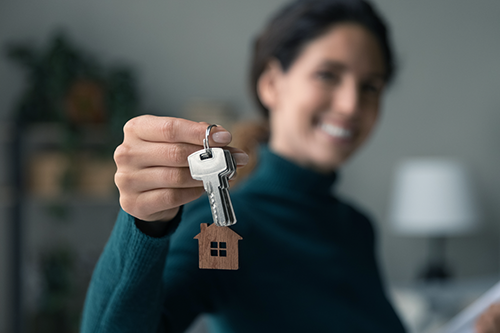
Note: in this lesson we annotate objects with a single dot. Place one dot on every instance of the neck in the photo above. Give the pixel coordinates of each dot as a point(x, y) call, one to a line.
point(278, 174)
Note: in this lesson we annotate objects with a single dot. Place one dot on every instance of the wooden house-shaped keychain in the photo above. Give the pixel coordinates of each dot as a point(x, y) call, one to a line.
point(218, 247)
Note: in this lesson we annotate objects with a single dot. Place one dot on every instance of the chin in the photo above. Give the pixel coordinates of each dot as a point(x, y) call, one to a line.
point(327, 163)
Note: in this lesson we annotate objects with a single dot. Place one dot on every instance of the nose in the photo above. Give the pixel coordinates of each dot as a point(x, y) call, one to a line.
point(346, 98)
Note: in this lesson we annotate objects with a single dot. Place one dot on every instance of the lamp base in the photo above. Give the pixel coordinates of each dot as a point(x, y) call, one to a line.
point(435, 272)
point(436, 268)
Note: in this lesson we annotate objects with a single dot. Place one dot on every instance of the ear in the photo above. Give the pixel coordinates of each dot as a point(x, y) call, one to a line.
point(267, 85)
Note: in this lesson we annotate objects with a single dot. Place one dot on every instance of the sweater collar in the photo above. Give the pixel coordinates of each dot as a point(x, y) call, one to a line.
point(280, 173)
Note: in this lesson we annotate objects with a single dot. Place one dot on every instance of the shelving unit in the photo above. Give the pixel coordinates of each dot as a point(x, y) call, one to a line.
point(6, 202)
point(34, 232)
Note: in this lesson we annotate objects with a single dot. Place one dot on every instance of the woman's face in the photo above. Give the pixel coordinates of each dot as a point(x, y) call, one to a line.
point(325, 106)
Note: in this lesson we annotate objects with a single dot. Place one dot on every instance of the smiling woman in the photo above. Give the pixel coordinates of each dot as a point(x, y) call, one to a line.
point(320, 68)
point(306, 261)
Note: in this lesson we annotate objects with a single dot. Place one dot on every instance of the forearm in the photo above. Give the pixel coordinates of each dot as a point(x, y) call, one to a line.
point(126, 291)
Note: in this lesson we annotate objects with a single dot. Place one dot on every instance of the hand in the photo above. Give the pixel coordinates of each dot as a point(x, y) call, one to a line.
point(489, 321)
point(152, 170)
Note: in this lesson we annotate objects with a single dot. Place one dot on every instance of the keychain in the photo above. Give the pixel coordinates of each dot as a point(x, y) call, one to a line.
point(217, 243)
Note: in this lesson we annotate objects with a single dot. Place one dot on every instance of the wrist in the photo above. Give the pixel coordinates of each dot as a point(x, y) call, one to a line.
point(159, 229)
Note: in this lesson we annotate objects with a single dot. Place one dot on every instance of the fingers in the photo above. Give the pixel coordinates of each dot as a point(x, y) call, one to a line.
point(153, 178)
point(167, 129)
point(159, 205)
point(489, 321)
point(163, 154)
point(150, 154)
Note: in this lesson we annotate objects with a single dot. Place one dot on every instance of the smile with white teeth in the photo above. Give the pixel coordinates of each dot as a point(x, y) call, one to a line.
point(335, 131)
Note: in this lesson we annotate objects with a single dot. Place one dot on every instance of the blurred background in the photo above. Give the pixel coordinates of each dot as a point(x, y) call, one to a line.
point(72, 73)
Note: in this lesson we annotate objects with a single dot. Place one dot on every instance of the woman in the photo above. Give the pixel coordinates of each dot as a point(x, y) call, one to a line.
point(307, 258)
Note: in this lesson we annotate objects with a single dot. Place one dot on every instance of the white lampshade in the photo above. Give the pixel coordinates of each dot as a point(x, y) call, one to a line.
point(433, 197)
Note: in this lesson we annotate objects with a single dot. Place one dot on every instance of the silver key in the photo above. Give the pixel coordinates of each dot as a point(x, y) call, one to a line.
point(214, 166)
point(231, 163)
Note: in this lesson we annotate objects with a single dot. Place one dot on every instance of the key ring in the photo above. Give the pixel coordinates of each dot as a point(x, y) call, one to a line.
point(208, 150)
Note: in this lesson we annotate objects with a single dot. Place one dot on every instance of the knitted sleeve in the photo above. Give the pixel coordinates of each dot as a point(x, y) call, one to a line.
point(127, 290)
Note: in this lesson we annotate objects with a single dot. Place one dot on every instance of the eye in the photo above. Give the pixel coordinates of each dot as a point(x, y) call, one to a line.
point(328, 76)
point(371, 88)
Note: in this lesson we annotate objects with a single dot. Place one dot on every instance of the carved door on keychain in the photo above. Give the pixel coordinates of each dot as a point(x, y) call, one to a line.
point(218, 247)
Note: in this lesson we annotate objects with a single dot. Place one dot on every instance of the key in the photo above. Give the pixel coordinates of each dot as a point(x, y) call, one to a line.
point(231, 163)
point(214, 166)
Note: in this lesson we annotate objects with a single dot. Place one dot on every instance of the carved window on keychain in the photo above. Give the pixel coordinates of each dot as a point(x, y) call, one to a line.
point(215, 249)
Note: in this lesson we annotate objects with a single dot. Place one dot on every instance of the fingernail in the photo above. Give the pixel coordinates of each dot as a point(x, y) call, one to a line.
point(222, 137)
point(240, 158)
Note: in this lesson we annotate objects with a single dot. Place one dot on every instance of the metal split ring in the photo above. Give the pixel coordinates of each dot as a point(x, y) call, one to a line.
point(208, 151)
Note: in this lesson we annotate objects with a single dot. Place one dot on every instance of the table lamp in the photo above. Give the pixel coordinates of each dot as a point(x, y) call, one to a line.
point(433, 198)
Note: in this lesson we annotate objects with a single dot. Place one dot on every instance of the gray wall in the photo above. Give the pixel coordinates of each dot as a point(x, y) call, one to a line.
point(445, 101)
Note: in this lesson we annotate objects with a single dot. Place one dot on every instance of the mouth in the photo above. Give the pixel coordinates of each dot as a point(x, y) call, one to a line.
point(337, 131)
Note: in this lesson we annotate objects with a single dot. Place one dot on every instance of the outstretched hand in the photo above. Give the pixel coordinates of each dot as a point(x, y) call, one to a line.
point(152, 174)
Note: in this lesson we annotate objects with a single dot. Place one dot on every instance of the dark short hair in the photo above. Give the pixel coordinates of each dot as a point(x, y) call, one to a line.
point(304, 20)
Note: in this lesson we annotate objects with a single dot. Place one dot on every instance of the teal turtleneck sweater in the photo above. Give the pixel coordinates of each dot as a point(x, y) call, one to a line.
point(306, 260)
